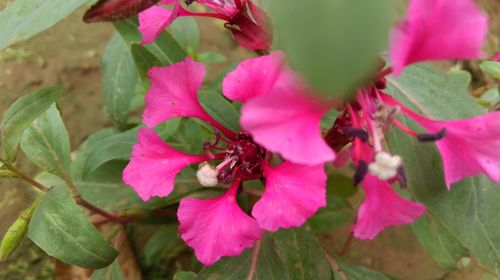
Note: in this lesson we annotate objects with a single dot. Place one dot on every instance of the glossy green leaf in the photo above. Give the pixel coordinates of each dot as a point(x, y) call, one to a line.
point(119, 79)
point(59, 228)
point(261, 262)
point(333, 43)
point(492, 68)
point(220, 109)
point(186, 32)
point(165, 48)
point(46, 142)
point(20, 115)
point(112, 272)
point(302, 254)
point(441, 245)
point(336, 214)
point(470, 209)
point(356, 272)
point(185, 275)
point(25, 18)
point(144, 60)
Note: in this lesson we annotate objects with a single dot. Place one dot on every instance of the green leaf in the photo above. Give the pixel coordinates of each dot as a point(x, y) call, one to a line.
point(25, 18)
point(336, 214)
point(443, 247)
point(144, 60)
point(210, 57)
point(334, 44)
point(160, 244)
point(470, 209)
point(302, 254)
point(492, 68)
point(165, 48)
point(220, 109)
point(112, 272)
point(46, 142)
point(119, 79)
point(186, 32)
point(20, 115)
point(355, 272)
point(260, 262)
point(59, 228)
point(185, 275)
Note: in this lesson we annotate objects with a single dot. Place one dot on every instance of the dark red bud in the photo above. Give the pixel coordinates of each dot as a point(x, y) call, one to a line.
point(113, 10)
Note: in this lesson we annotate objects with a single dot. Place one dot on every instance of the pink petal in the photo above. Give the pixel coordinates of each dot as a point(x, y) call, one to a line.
point(496, 57)
point(220, 6)
point(155, 19)
point(382, 208)
point(287, 121)
point(215, 228)
point(438, 30)
point(154, 165)
point(293, 194)
point(253, 77)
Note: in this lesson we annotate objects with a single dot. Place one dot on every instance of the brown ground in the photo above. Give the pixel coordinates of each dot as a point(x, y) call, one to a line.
point(69, 55)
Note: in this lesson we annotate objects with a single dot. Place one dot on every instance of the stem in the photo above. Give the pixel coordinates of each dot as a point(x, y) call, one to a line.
point(335, 266)
point(347, 244)
point(26, 178)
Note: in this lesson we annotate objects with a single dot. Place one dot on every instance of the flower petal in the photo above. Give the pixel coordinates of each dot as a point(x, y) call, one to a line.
point(215, 228)
point(154, 165)
point(253, 77)
point(382, 208)
point(287, 121)
point(438, 30)
point(155, 19)
point(293, 194)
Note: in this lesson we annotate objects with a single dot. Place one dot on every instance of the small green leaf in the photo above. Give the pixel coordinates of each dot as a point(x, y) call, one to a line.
point(210, 57)
point(20, 115)
point(17, 231)
point(220, 109)
point(25, 18)
point(165, 48)
point(112, 272)
point(355, 272)
point(119, 79)
point(59, 228)
point(160, 244)
point(144, 60)
point(443, 247)
point(492, 68)
point(336, 214)
point(261, 262)
point(302, 254)
point(185, 275)
point(46, 142)
point(186, 32)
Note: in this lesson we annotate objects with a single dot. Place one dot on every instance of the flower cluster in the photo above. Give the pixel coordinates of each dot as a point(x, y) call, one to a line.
point(282, 142)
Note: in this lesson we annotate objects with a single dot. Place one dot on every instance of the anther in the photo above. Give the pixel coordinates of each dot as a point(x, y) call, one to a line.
point(207, 175)
point(356, 132)
point(425, 137)
point(360, 172)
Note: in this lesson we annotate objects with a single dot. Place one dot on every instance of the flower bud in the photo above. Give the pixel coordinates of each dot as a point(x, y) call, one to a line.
point(207, 175)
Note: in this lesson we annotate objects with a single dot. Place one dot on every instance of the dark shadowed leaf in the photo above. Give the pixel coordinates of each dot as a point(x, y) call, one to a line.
point(336, 214)
point(144, 60)
point(46, 142)
point(470, 210)
point(261, 262)
point(59, 228)
point(20, 115)
point(160, 244)
point(220, 109)
point(185, 275)
point(356, 272)
point(25, 18)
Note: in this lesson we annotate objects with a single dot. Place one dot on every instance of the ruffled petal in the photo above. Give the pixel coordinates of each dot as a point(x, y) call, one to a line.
point(287, 121)
point(382, 208)
point(293, 194)
point(215, 228)
point(155, 19)
point(253, 77)
point(438, 30)
point(154, 165)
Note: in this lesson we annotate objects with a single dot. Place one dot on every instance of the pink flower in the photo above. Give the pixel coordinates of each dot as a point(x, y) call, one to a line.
point(248, 23)
point(218, 227)
point(438, 30)
point(496, 57)
point(468, 147)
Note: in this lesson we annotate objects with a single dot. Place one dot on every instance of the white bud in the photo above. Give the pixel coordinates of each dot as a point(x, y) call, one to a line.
point(207, 175)
point(385, 165)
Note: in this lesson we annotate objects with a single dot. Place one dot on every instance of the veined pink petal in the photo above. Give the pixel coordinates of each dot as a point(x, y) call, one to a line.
point(215, 228)
point(154, 165)
point(287, 121)
point(438, 30)
point(382, 208)
point(469, 147)
point(155, 19)
point(174, 93)
point(223, 7)
point(293, 194)
point(253, 77)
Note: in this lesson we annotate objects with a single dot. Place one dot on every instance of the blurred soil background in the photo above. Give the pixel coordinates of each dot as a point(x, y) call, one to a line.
point(69, 55)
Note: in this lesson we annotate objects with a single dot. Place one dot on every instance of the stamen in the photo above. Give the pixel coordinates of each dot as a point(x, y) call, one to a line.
point(356, 132)
point(402, 179)
point(425, 137)
point(405, 129)
point(360, 172)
